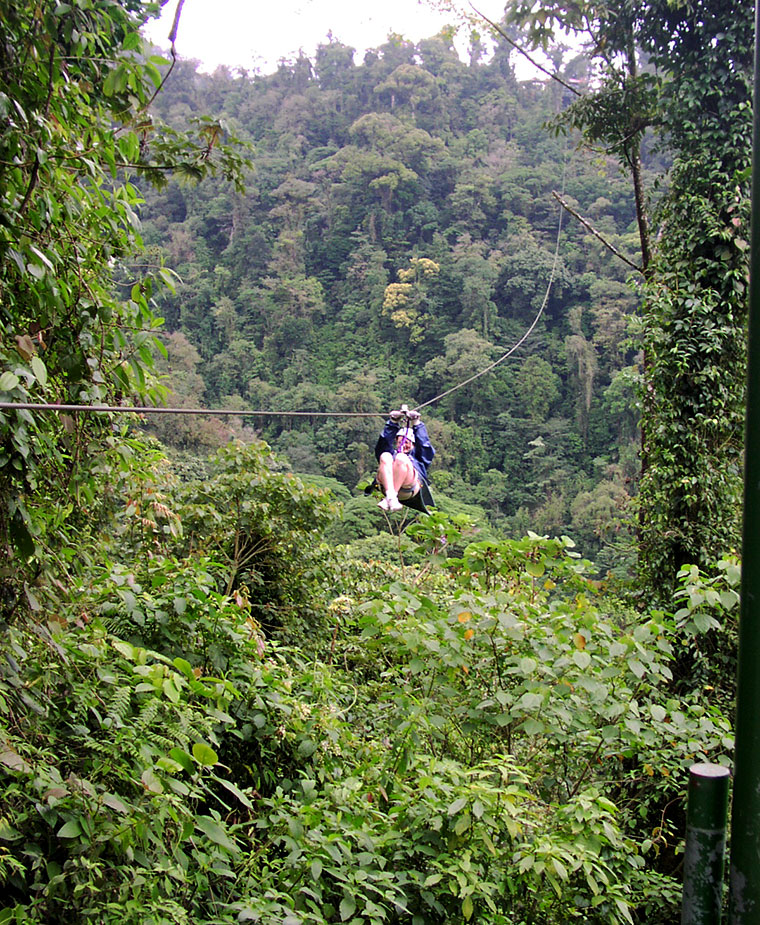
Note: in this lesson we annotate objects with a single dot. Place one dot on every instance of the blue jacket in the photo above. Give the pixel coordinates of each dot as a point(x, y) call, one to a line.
point(422, 454)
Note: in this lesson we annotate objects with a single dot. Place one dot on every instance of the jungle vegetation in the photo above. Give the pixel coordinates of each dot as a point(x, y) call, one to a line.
point(231, 689)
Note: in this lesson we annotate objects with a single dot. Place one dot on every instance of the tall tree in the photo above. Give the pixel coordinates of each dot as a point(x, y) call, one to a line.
point(75, 95)
point(695, 297)
point(682, 69)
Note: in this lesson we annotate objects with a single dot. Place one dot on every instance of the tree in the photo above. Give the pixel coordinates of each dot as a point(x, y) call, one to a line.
point(406, 301)
point(466, 354)
point(255, 521)
point(696, 296)
point(478, 274)
point(408, 84)
point(582, 365)
point(75, 95)
point(684, 70)
point(179, 371)
point(618, 112)
point(346, 204)
point(536, 388)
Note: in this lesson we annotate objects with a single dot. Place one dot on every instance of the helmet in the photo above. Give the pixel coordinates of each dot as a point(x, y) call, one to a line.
point(407, 433)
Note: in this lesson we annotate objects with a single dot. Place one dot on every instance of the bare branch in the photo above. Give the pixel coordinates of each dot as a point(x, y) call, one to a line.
point(587, 224)
point(172, 38)
point(524, 53)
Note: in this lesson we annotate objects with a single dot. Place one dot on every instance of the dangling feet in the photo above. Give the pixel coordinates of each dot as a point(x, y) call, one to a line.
point(390, 503)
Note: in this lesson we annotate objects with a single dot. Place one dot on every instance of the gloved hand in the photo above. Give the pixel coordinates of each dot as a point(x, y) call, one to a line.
point(414, 418)
point(396, 416)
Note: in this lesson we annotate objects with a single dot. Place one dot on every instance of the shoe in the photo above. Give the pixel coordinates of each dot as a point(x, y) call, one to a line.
point(383, 505)
point(394, 504)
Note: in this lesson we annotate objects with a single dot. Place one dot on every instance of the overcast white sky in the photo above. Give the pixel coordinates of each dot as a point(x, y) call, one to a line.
point(257, 35)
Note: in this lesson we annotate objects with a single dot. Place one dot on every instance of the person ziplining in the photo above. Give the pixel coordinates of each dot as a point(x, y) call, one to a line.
point(404, 452)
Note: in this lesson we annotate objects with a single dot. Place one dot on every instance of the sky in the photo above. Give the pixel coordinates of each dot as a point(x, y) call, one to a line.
point(255, 35)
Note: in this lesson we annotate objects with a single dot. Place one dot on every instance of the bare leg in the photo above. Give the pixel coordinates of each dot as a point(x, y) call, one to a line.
point(394, 472)
point(403, 471)
point(385, 472)
point(386, 476)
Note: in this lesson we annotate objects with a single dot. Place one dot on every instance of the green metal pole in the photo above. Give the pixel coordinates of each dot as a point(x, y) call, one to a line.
point(744, 875)
point(705, 851)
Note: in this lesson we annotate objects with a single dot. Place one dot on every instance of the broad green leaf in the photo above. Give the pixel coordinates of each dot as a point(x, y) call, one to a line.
point(184, 666)
point(70, 829)
point(168, 278)
point(151, 783)
point(530, 700)
point(347, 908)
point(125, 648)
point(129, 146)
point(132, 41)
point(183, 759)
point(114, 803)
point(216, 832)
point(306, 748)
point(729, 599)
point(205, 755)
point(536, 569)
point(624, 909)
point(582, 659)
point(7, 832)
point(463, 823)
point(170, 690)
point(178, 786)
point(235, 791)
point(8, 381)
point(636, 667)
point(457, 805)
point(467, 908)
point(526, 863)
point(704, 622)
point(528, 665)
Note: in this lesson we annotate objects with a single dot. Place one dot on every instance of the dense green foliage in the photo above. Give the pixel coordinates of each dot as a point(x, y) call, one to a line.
point(229, 692)
point(398, 236)
point(682, 71)
point(482, 741)
point(398, 233)
point(75, 87)
point(696, 303)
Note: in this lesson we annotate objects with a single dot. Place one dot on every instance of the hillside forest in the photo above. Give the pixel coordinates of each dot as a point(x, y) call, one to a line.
point(232, 688)
point(398, 235)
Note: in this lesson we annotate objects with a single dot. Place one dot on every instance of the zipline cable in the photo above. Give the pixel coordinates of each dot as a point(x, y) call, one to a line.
point(153, 409)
